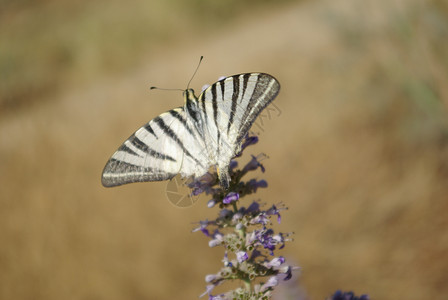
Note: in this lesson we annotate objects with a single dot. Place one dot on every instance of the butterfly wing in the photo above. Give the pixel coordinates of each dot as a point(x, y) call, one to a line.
point(159, 150)
point(229, 108)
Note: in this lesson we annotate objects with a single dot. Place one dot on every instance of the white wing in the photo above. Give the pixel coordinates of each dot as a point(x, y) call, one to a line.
point(159, 150)
point(229, 107)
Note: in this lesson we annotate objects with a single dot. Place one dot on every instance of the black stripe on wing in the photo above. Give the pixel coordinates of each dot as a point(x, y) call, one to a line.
point(126, 149)
point(150, 130)
point(183, 121)
point(169, 132)
point(203, 109)
point(215, 111)
point(117, 172)
point(236, 91)
point(245, 81)
point(222, 85)
point(139, 144)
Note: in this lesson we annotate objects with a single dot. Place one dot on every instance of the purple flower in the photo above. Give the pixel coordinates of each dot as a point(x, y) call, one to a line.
point(212, 277)
point(196, 191)
point(274, 211)
point(204, 87)
point(248, 141)
point(272, 281)
point(233, 164)
point(253, 184)
point(203, 184)
point(208, 289)
point(226, 261)
point(215, 280)
point(202, 227)
point(254, 163)
point(254, 207)
point(339, 295)
point(241, 256)
point(217, 297)
point(288, 271)
point(255, 254)
point(262, 218)
point(218, 238)
point(275, 262)
point(236, 218)
point(231, 197)
point(251, 238)
point(225, 213)
point(266, 239)
point(211, 203)
point(279, 239)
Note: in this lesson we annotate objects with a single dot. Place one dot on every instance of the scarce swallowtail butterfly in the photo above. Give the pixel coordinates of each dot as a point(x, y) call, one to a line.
point(206, 131)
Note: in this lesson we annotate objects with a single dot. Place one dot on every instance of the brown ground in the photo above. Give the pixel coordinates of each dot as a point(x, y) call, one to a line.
point(359, 154)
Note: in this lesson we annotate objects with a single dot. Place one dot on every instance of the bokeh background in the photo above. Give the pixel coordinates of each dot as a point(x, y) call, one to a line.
point(359, 151)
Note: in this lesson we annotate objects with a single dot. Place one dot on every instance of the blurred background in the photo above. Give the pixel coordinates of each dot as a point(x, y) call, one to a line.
point(358, 149)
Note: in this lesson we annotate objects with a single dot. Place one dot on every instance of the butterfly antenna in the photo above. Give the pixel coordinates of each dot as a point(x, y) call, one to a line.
point(162, 89)
point(200, 59)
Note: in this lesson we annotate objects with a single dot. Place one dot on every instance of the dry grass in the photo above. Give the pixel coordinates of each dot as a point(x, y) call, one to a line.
point(359, 154)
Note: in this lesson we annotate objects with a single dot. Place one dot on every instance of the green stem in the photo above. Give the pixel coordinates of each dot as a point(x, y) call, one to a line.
point(247, 284)
point(235, 208)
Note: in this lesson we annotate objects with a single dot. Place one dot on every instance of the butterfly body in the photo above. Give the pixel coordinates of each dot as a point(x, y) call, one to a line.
point(207, 131)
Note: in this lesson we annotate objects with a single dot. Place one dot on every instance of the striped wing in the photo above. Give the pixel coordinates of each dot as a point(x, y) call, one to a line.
point(162, 148)
point(229, 107)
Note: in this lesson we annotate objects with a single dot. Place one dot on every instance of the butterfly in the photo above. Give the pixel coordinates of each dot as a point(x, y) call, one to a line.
point(206, 131)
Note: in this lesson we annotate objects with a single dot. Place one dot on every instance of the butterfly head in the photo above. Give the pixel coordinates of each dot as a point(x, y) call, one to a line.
point(189, 95)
